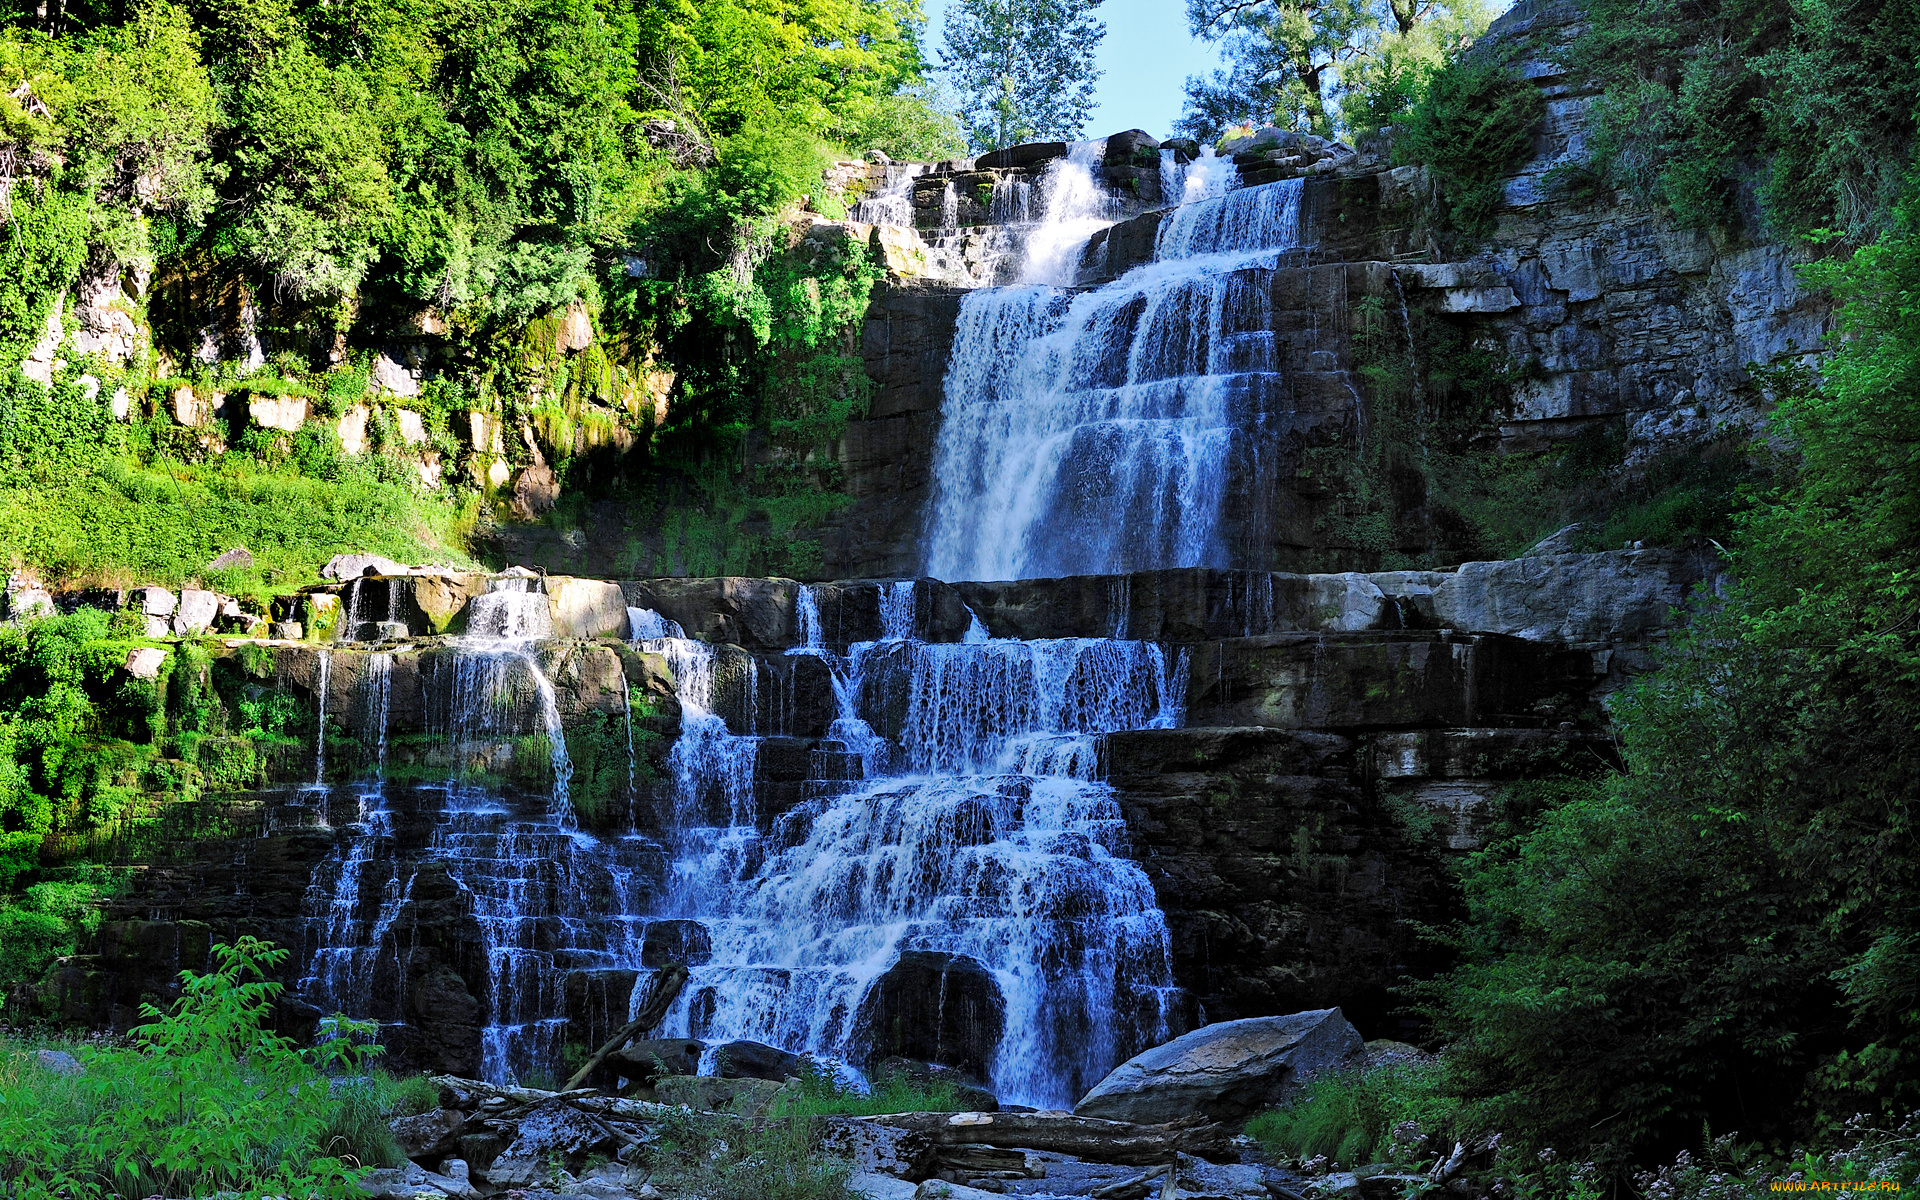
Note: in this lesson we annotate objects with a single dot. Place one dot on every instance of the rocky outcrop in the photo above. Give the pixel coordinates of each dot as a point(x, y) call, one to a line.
point(935, 1007)
point(1577, 599)
point(1227, 1071)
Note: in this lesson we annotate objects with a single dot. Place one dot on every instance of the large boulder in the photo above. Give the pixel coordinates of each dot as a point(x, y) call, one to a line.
point(586, 608)
point(427, 1135)
point(938, 1008)
point(757, 1060)
point(196, 612)
point(1574, 598)
point(654, 1057)
point(1227, 1071)
point(1027, 154)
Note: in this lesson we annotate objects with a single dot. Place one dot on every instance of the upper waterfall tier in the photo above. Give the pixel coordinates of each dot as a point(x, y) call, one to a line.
point(1100, 432)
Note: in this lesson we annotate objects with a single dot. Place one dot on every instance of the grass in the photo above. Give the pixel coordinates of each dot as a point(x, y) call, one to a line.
point(131, 522)
point(704, 1155)
point(819, 1094)
point(1351, 1117)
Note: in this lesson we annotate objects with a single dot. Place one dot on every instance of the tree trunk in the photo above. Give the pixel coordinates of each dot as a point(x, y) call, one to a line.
point(665, 985)
point(1082, 1137)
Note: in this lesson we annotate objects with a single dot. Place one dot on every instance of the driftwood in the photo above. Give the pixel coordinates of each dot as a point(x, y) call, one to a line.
point(1129, 1189)
point(661, 991)
point(1063, 1133)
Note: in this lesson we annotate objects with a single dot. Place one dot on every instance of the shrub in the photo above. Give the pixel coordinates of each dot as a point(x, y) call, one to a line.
point(1351, 1117)
point(1474, 122)
point(207, 1101)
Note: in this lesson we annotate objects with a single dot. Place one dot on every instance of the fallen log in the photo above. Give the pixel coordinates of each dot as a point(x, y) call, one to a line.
point(517, 1095)
point(1083, 1137)
point(661, 991)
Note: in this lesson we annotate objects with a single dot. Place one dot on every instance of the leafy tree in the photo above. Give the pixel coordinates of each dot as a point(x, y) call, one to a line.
point(1729, 932)
point(1024, 68)
point(1303, 64)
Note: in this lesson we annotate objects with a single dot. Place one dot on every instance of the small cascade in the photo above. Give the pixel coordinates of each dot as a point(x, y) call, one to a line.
point(323, 671)
point(1074, 205)
point(514, 608)
point(363, 871)
point(1204, 178)
point(644, 623)
point(892, 203)
point(1096, 432)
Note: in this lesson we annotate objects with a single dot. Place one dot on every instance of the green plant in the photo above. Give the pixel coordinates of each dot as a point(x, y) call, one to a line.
point(727, 1159)
point(1351, 1118)
point(209, 1100)
point(820, 1093)
point(1473, 123)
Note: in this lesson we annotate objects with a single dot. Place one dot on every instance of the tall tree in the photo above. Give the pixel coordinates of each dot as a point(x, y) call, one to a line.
point(1290, 62)
point(1023, 68)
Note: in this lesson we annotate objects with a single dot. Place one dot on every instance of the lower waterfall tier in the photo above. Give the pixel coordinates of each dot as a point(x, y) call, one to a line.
point(1026, 859)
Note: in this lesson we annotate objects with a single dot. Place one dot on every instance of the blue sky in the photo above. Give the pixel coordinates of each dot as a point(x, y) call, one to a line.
point(1146, 57)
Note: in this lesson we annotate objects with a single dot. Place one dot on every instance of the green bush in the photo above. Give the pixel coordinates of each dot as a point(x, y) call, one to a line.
point(1350, 1118)
point(207, 1101)
point(819, 1093)
point(724, 1159)
point(1473, 123)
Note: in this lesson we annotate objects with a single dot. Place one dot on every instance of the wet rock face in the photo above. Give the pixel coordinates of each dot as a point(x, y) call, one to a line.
point(938, 1008)
point(1283, 882)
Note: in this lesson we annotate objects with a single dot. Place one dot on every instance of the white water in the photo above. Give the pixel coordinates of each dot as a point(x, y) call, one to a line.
point(978, 830)
point(1097, 432)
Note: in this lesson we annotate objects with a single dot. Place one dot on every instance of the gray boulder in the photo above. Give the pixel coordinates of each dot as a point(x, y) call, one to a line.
point(1574, 598)
point(757, 1060)
point(353, 566)
point(1227, 1071)
point(153, 601)
point(428, 1134)
point(197, 611)
point(654, 1057)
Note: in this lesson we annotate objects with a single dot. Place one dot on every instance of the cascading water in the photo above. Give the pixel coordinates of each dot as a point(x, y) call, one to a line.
point(1096, 432)
point(973, 829)
point(952, 811)
point(544, 898)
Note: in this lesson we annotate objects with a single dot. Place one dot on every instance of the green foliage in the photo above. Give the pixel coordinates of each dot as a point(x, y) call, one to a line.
point(914, 124)
point(1349, 1118)
point(1813, 102)
point(820, 1093)
point(1623, 967)
point(162, 520)
point(39, 259)
point(706, 1155)
point(209, 1101)
point(1474, 121)
point(48, 921)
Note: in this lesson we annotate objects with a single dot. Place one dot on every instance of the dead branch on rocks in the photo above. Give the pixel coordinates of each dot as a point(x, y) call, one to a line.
point(661, 990)
point(1083, 1137)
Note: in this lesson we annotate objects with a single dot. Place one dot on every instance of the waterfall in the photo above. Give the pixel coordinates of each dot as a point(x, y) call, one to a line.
point(892, 204)
point(1096, 432)
point(974, 827)
point(1074, 204)
point(323, 671)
